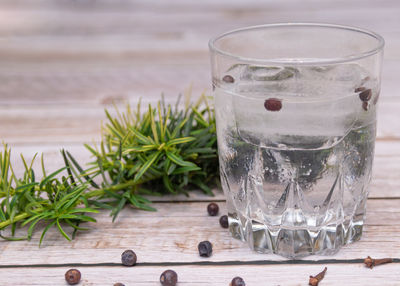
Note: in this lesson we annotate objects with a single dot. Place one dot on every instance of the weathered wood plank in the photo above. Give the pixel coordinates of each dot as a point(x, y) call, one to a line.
point(64, 88)
point(172, 235)
point(64, 93)
point(61, 31)
point(78, 86)
point(206, 5)
point(63, 61)
point(60, 123)
point(146, 15)
point(291, 275)
point(84, 85)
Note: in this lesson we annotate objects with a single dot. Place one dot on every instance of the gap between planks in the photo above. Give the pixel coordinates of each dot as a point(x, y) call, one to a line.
point(221, 200)
point(289, 275)
point(200, 263)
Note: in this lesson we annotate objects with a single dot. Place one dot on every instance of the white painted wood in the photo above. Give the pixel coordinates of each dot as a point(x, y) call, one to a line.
point(254, 275)
point(180, 15)
point(62, 62)
point(76, 84)
point(58, 124)
point(173, 232)
point(96, 87)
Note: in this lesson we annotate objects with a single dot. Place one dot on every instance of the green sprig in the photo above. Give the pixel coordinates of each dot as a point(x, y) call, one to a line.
point(163, 150)
point(51, 201)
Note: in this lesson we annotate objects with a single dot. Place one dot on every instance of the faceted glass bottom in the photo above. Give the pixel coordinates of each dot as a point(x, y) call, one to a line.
point(295, 243)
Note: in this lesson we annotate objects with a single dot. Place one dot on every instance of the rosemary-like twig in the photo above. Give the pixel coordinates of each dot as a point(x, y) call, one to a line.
point(165, 150)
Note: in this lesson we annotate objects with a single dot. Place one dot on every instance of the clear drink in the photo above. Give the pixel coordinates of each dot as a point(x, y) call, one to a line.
point(296, 145)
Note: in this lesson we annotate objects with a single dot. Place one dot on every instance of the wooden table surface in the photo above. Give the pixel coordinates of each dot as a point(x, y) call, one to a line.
point(62, 62)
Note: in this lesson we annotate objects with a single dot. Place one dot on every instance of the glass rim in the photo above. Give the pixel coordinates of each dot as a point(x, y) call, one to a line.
point(380, 44)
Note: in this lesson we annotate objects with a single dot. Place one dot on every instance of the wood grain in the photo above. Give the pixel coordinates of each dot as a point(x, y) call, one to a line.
point(77, 85)
point(172, 233)
point(59, 124)
point(268, 275)
point(62, 62)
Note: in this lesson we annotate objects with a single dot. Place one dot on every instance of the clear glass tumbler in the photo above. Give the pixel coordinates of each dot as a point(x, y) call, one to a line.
point(296, 123)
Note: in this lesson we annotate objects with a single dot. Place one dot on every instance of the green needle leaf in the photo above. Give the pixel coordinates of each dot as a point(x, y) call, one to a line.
point(62, 231)
point(42, 164)
point(147, 165)
point(76, 227)
point(51, 176)
point(26, 186)
point(153, 126)
point(168, 184)
point(178, 160)
point(83, 210)
point(33, 224)
point(71, 177)
point(81, 171)
point(185, 170)
point(143, 148)
point(180, 140)
point(141, 138)
point(44, 231)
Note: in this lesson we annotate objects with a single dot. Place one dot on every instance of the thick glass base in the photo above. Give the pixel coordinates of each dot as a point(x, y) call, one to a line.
point(295, 242)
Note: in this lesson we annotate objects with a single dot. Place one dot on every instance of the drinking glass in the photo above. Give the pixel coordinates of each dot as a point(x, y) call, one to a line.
point(296, 110)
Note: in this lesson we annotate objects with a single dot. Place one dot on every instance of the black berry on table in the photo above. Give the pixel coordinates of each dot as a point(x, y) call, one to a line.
point(212, 209)
point(205, 248)
point(73, 276)
point(238, 281)
point(128, 258)
point(223, 221)
point(169, 278)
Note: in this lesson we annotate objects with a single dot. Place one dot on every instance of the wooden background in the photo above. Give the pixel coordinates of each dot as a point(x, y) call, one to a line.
point(62, 62)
